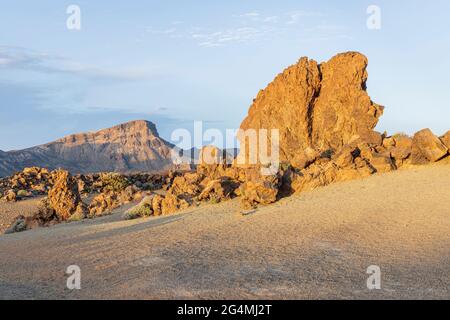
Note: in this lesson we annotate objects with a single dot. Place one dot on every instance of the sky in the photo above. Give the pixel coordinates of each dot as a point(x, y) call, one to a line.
point(176, 62)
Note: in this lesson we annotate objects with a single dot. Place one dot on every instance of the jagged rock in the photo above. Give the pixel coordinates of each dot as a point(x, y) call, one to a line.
point(110, 199)
point(446, 139)
point(173, 203)
point(382, 162)
point(322, 174)
point(187, 184)
point(316, 107)
point(157, 205)
point(263, 190)
point(401, 150)
point(343, 111)
point(219, 190)
point(64, 197)
point(102, 203)
point(426, 148)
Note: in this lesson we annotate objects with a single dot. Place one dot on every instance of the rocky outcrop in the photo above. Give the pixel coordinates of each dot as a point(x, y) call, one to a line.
point(64, 197)
point(133, 146)
point(316, 107)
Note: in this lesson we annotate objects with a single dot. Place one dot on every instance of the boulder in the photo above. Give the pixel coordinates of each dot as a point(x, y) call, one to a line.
point(426, 148)
point(263, 190)
point(401, 151)
point(188, 184)
point(19, 225)
point(173, 203)
point(446, 139)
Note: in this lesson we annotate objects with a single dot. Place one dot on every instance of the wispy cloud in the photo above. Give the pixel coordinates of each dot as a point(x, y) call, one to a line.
point(31, 60)
point(253, 26)
point(237, 35)
point(295, 17)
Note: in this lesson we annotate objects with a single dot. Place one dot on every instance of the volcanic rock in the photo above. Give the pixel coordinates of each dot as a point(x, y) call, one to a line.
point(446, 139)
point(316, 108)
point(426, 148)
point(64, 196)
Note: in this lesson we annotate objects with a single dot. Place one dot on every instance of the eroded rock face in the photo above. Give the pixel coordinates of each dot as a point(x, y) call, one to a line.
point(343, 111)
point(64, 196)
point(316, 108)
point(426, 148)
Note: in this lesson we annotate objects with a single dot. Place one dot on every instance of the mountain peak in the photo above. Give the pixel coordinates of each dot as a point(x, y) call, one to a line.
point(136, 125)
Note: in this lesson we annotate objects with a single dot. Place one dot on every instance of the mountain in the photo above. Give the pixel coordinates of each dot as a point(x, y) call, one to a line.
point(132, 146)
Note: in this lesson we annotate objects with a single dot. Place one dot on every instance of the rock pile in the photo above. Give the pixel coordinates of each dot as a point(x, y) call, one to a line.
point(30, 182)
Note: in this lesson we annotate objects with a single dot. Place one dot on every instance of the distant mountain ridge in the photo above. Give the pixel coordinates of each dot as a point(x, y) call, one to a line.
point(131, 146)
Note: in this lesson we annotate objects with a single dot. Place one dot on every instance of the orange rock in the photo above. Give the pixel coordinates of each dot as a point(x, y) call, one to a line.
point(426, 147)
point(316, 107)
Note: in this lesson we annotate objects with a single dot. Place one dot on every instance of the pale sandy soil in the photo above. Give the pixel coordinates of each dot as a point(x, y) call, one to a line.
point(314, 245)
point(9, 211)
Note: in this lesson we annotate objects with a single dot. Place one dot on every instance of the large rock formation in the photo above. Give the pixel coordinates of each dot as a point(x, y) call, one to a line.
point(316, 107)
point(132, 146)
point(64, 197)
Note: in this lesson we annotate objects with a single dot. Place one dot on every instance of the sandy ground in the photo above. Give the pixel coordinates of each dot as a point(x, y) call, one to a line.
point(314, 245)
point(9, 211)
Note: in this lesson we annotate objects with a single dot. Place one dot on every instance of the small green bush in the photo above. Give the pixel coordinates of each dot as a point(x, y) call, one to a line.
point(114, 182)
point(143, 209)
point(22, 193)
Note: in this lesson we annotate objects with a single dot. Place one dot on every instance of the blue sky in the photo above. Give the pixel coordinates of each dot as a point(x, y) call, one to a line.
point(173, 62)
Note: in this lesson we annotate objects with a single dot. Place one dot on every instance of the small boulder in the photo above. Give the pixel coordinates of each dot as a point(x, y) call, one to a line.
point(260, 191)
point(11, 196)
point(19, 225)
point(173, 203)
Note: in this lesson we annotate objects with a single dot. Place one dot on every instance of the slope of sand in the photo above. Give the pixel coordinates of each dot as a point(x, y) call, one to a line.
point(314, 245)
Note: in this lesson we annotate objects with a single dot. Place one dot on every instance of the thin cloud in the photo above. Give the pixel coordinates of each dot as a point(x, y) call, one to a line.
point(27, 59)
